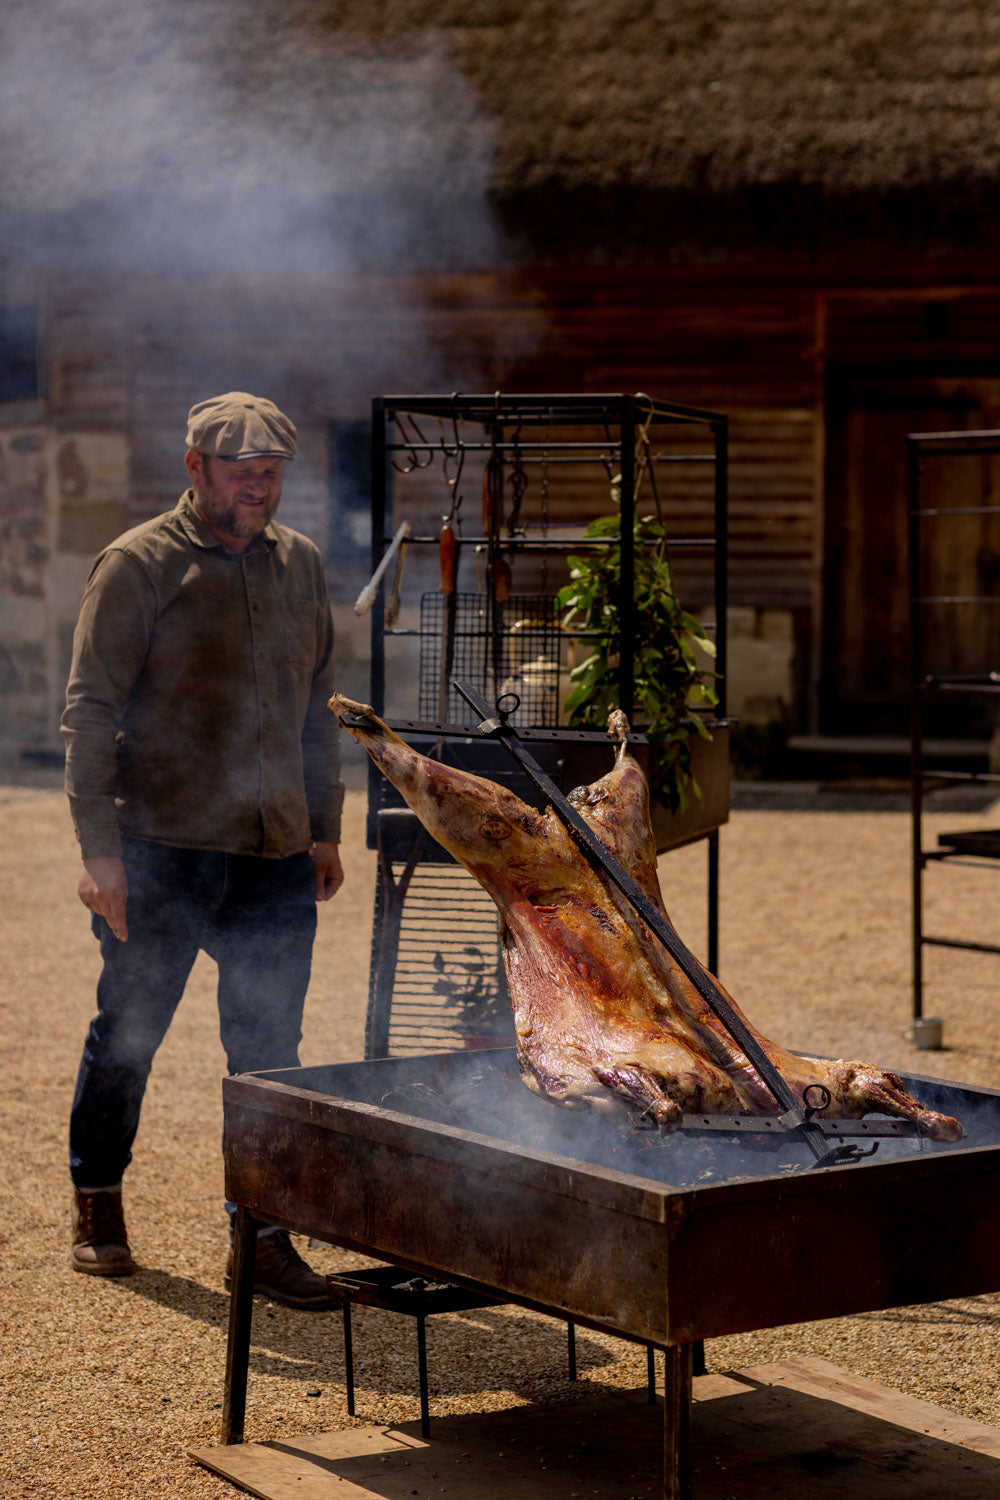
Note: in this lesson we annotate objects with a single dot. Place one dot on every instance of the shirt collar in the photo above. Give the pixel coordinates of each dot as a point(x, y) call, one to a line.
point(203, 536)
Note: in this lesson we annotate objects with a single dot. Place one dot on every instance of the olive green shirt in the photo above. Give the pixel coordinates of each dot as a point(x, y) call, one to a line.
point(196, 708)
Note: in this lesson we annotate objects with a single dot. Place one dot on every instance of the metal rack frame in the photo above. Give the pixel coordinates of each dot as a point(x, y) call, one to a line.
point(507, 431)
point(982, 851)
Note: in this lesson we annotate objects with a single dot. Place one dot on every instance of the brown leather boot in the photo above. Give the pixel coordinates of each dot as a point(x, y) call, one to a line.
point(100, 1244)
point(281, 1274)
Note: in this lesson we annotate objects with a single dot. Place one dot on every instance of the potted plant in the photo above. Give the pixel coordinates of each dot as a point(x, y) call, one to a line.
point(671, 684)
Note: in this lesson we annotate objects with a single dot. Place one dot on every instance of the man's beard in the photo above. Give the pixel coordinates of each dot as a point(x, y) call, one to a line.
point(224, 514)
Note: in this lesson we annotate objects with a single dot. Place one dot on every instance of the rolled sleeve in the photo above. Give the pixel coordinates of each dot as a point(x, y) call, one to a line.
point(109, 648)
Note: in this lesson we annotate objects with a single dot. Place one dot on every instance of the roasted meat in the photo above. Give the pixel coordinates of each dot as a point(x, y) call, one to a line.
point(603, 1014)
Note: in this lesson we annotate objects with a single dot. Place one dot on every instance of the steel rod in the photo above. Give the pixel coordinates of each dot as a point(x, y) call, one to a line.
point(940, 942)
point(450, 449)
point(542, 453)
point(626, 560)
point(552, 544)
point(380, 517)
point(550, 407)
point(959, 599)
point(721, 563)
point(713, 901)
point(969, 861)
point(348, 1356)
point(936, 444)
point(470, 731)
point(425, 1417)
point(916, 734)
point(986, 777)
point(959, 510)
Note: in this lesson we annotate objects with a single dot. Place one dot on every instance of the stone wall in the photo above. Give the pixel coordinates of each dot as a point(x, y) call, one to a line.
point(62, 497)
point(761, 647)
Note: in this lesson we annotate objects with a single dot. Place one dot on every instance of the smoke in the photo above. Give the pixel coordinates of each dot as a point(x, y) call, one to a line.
point(277, 176)
point(483, 1094)
point(207, 137)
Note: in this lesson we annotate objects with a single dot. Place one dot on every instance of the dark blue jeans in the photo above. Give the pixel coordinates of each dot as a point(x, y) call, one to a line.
point(255, 917)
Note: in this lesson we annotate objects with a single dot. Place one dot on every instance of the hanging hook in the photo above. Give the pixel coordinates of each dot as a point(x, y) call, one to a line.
point(413, 460)
point(452, 481)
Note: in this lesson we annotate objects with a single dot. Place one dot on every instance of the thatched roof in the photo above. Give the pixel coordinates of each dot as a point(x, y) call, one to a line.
point(672, 116)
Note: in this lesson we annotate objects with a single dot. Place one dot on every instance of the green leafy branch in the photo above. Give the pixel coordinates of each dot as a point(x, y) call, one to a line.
point(668, 678)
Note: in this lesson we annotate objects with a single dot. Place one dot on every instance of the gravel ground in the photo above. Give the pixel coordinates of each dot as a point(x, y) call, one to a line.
point(107, 1384)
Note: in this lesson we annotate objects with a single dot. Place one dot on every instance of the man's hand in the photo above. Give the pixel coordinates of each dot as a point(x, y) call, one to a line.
point(103, 889)
point(328, 870)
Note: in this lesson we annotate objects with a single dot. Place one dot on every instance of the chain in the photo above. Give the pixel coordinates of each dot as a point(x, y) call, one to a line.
point(545, 521)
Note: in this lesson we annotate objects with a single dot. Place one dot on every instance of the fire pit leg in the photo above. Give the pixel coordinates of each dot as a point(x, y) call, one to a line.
point(349, 1356)
point(677, 1423)
point(425, 1418)
point(240, 1319)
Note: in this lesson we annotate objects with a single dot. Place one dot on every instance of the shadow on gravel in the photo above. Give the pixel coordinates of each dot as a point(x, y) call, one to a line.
point(309, 1346)
point(974, 1312)
point(179, 1293)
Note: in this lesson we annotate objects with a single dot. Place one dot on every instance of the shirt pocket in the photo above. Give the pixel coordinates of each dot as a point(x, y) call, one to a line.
point(301, 617)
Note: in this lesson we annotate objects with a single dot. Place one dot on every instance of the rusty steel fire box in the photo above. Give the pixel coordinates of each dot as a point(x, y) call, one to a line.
point(448, 1166)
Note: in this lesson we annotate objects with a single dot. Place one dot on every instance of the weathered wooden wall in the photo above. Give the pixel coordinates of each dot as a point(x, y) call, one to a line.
point(137, 359)
point(803, 365)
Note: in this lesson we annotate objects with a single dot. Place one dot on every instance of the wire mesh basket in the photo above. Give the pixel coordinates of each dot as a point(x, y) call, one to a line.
point(438, 984)
point(521, 654)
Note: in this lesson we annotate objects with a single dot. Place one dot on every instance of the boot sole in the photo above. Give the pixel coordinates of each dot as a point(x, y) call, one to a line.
point(96, 1270)
point(324, 1304)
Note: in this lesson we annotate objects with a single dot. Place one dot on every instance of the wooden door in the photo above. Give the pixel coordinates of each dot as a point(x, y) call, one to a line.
point(866, 627)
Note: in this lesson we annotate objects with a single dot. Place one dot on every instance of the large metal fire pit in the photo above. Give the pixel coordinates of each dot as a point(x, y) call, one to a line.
point(448, 1166)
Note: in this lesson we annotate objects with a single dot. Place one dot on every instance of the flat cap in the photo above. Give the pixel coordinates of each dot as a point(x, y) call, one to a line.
point(238, 425)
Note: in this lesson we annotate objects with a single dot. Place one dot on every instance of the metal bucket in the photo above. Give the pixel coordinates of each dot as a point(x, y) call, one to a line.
point(925, 1032)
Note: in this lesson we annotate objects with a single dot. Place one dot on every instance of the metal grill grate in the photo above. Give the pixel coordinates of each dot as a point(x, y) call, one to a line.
point(530, 639)
point(448, 990)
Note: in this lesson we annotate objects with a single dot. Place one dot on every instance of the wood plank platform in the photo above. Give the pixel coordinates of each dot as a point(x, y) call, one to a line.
point(769, 1432)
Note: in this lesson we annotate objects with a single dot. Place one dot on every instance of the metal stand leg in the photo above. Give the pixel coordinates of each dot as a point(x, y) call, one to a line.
point(650, 1374)
point(348, 1357)
point(698, 1366)
point(571, 1349)
point(677, 1423)
point(240, 1320)
point(425, 1420)
point(713, 901)
point(917, 878)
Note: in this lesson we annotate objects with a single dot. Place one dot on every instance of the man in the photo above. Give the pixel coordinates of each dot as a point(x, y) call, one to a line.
point(203, 773)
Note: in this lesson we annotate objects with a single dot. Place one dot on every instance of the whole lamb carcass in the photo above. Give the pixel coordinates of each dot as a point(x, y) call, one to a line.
point(603, 1014)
